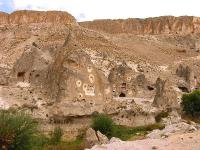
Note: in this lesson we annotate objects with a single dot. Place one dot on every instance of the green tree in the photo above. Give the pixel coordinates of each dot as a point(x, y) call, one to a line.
point(16, 130)
point(104, 124)
point(191, 103)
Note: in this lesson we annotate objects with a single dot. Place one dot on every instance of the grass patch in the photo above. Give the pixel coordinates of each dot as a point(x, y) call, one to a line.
point(104, 124)
point(132, 133)
point(190, 118)
point(161, 115)
point(77, 144)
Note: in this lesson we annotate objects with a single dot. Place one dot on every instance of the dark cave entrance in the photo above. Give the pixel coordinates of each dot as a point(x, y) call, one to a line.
point(122, 94)
point(184, 89)
point(21, 76)
point(150, 88)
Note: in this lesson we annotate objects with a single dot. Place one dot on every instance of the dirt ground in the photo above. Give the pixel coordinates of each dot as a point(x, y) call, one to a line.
point(187, 141)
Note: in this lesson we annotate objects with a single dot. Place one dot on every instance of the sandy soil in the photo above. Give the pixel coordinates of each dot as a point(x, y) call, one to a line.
point(187, 141)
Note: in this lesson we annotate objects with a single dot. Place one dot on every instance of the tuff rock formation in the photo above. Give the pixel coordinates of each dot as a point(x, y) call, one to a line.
point(63, 72)
point(159, 25)
point(165, 96)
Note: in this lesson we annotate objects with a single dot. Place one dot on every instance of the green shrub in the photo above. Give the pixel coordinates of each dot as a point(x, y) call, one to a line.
point(39, 141)
point(191, 103)
point(104, 124)
point(73, 145)
point(125, 133)
point(56, 136)
point(161, 115)
point(16, 130)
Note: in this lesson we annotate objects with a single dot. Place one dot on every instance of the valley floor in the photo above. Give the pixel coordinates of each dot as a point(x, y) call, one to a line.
point(187, 141)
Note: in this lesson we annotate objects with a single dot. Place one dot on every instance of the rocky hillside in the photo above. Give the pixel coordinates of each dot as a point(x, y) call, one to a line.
point(28, 17)
point(63, 72)
point(159, 25)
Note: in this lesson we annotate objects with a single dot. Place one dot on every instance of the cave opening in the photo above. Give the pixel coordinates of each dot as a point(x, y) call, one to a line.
point(150, 88)
point(21, 76)
point(122, 94)
point(184, 89)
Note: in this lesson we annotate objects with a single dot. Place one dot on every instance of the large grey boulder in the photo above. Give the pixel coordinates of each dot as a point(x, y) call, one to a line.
point(114, 139)
point(95, 138)
point(102, 138)
point(91, 138)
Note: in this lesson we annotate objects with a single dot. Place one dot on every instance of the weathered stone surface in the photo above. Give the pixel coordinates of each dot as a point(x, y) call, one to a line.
point(187, 141)
point(165, 96)
point(169, 130)
point(159, 25)
point(94, 138)
point(91, 138)
point(26, 16)
point(62, 73)
point(114, 139)
point(102, 138)
point(120, 78)
point(189, 81)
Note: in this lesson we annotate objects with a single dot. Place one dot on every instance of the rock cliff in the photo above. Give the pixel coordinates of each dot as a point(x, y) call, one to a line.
point(158, 25)
point(27, 17)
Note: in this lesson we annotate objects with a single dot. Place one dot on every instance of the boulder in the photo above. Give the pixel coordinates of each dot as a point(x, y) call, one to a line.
point(91, 138)
point(114, 139)
point(102, 138)
point(177, 128)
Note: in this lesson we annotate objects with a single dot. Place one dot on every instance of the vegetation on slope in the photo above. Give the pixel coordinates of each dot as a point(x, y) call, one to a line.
point(105, 125)
point(191, 104)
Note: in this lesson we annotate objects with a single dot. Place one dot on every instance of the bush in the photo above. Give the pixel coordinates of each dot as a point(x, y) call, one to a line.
point(39, 141)
point(161, 115)
point(191, 103)
point(125, 133)
point(16, 131)
point(56, 136)
point(67, 145)
point(104, 124)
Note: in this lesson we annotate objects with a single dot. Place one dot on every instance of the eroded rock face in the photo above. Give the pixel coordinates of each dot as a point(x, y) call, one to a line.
point(63, 73)
point(159, 25)
point(79, 79)
point(189, 80)
point(165, 96)
point(120, 79)
point(27, 17)
point(78, 85)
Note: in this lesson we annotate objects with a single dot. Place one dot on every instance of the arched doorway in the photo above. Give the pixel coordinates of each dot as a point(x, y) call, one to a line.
point(122, 94)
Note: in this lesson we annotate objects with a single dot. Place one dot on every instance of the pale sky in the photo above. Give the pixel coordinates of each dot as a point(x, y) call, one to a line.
point(84, 10)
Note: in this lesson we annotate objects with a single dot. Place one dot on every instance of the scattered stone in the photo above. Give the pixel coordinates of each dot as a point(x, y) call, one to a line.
point(114, 139)
point(169, 130)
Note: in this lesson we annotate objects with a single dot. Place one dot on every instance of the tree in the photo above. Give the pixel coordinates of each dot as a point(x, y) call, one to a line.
point(16, 130)
point(104, 124)
point(191, 103)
